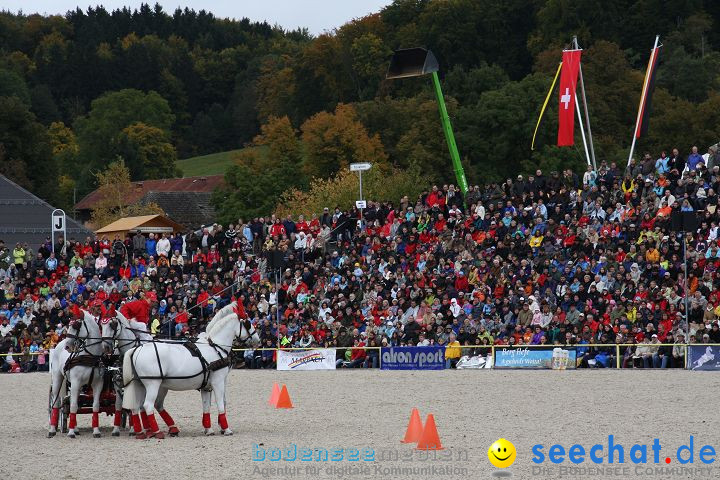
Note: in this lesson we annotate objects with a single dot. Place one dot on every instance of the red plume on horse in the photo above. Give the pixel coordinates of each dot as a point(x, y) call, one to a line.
point(239, 310)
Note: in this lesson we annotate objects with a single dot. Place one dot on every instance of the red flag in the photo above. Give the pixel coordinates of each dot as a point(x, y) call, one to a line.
point(566, 109)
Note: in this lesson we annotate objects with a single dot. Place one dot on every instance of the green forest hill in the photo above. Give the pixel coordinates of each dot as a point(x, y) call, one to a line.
point(83, 90)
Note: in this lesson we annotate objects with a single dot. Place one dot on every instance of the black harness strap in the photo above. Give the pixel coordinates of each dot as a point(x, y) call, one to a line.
point(195, 352)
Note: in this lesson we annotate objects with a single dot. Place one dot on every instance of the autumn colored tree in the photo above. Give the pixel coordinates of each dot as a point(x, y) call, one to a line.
point(114, 187)
point(342, 189)
point(147, 152)
point(65, 148)
point(262, 174)
point(334, 140)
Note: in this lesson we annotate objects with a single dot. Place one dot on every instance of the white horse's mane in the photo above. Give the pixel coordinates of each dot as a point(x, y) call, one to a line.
point(222, 314)
point(126, 322)
point(90, 323)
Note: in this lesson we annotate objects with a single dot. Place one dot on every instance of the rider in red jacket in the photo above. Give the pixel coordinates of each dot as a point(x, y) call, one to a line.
point(139, 310)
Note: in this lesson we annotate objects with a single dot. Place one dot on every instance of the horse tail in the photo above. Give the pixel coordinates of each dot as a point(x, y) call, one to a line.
point(129, 395)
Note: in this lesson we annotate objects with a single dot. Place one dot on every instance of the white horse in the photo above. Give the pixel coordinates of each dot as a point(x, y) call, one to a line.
point(129, 334)
point(174, 367)
point(80, 367)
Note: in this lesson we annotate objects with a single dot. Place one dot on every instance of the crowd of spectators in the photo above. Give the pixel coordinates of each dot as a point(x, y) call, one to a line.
point(585, 259)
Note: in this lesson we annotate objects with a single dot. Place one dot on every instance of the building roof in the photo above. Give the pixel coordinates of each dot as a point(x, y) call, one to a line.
point(131, 223)
point(191, 209)
point(188, 184)
point(26, 218)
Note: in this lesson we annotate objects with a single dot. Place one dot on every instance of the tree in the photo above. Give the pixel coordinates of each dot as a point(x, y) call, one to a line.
point(25, 150)
point(342, 190)
point(13, 85)
point(247, 194)
point(43, 105)
point(147, 152)
point(100, 132)
point(334, 140)
point(369, 63)
point(114, 187)
point(411, 131)
point(262, 174)
point(65, 148)
point(284, 148)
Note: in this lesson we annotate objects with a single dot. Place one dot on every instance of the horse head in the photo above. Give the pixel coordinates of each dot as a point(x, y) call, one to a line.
point(110, 333)
point(85, 331)
point(248, 332)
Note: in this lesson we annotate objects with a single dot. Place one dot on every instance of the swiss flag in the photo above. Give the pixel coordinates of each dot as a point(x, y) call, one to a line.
point(566, 108)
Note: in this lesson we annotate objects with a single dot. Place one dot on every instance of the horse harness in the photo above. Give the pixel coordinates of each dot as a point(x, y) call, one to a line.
point(77, 359)
point(207, 367)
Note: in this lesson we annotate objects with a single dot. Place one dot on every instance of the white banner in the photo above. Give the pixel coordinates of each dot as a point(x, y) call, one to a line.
point(319, 359)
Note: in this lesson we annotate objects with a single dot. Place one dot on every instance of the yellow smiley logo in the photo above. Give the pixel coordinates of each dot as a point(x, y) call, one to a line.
point(502, 453)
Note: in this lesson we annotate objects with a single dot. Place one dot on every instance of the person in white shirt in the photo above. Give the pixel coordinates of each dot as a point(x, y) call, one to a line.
point(75, 271)
point(480, 211)
point(163, 246)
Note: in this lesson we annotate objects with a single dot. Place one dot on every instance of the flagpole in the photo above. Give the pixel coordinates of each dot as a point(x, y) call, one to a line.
point(642, 97)
point(542, 110)
point(582, 131)
point(587, 114)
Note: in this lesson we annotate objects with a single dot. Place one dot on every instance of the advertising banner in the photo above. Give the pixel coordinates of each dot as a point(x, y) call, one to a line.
point(703, 357)
point(550, 358)
point(413, 358)
point(319, 359)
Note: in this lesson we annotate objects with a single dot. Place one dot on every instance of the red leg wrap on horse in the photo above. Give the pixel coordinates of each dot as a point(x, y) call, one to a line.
point(95, 420)
point(152, 423)
point(72, 423)
point(144, 418)
point(167, 418)
point(54, 417)
point(222, 420)
point(206, 420)
point(118, 418)
point(136, 423)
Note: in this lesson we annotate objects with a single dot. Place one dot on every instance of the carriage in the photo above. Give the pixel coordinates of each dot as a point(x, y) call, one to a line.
point(96, 383)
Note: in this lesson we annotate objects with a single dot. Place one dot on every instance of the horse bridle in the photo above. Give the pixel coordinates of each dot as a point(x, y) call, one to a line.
point(113, 324)
point(78, 324)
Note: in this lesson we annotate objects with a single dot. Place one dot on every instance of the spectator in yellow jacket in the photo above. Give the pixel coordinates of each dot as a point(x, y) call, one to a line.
point(18, 254)
point(452, 352)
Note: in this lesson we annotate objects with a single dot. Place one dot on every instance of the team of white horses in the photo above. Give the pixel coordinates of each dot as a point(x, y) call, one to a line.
point(150, 370)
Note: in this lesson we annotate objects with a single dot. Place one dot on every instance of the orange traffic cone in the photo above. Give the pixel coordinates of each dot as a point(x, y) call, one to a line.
point(429, 440)
point(283, 400)
point(414, 428)
point(274, 395)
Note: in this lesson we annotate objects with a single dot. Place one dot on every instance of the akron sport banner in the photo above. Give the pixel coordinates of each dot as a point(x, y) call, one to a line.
point(319, 359)
point(413, 358)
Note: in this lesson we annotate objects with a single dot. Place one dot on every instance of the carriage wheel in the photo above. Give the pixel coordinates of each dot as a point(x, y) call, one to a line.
point(63, 417)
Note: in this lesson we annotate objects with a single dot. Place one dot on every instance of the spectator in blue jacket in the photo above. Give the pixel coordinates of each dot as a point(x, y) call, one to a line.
point(151, 244)
point(694, 159)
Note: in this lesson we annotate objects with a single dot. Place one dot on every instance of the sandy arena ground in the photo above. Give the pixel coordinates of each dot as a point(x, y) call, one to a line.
point(370, 409)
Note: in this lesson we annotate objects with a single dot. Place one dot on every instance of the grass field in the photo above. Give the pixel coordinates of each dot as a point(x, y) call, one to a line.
point(213, 164)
